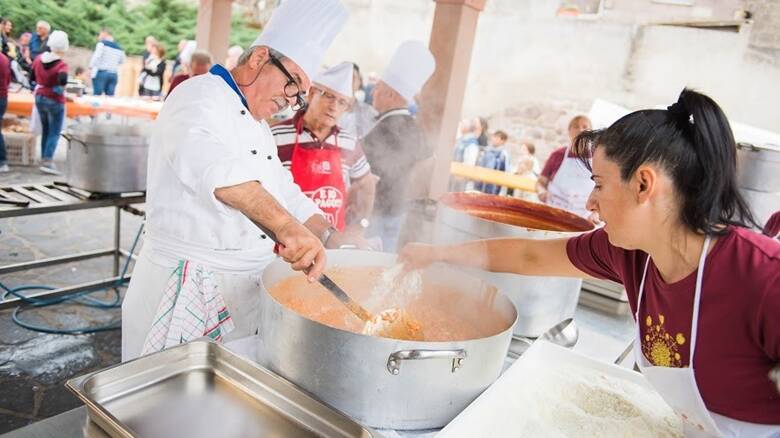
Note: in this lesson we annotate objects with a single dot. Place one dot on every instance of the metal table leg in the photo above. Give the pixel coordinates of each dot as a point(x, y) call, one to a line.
point(117, 235)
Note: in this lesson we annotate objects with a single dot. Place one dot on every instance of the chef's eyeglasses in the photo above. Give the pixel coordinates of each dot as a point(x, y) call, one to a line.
point(330, 97)
point(291, 89)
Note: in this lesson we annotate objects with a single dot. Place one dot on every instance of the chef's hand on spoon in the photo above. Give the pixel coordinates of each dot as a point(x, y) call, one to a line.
point(301, 249)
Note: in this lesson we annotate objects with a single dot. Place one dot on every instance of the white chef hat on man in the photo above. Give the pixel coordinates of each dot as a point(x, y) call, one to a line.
point(410, 67)
point(337, 79)
point(302, 30)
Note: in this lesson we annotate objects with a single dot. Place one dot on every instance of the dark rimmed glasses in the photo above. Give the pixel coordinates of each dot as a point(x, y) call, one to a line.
point(291, 89)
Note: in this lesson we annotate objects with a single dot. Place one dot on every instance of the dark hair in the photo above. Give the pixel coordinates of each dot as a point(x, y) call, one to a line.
point(692, 141)
point(356, 69)
point(501, 134)
point(531, 148)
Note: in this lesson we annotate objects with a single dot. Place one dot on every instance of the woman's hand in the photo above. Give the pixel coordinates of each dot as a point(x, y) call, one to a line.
point(418, 256)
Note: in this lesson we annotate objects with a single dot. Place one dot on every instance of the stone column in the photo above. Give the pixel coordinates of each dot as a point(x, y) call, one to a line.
point(213, 29)
point(452, 40)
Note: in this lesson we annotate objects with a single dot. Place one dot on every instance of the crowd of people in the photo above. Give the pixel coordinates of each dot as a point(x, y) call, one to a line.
point(36, 61)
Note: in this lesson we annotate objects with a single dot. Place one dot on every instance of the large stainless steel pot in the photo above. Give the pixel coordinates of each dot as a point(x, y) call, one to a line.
point(107, 157)
point(541, 301)
point(758, 167)
point(383, 383)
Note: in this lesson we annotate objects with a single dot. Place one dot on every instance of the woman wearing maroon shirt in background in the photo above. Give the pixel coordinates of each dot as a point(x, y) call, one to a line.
point(704, 289)
point(772, 226)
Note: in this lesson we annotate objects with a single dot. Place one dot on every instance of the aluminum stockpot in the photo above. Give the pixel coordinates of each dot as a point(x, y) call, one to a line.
point(541, 302)
point(758, 167)
point(108, 157)
point(379, 382)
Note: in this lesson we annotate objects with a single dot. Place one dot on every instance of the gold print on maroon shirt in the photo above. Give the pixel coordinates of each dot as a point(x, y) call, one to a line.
point(659, 347)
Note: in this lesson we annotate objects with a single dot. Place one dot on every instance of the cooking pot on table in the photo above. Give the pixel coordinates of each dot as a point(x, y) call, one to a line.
point(108, 157)
point(380, 382)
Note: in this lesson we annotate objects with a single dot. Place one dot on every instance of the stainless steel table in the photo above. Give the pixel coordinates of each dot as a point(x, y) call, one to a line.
point(35, 199)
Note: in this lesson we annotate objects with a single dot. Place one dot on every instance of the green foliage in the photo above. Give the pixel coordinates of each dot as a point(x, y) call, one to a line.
point(168, 20)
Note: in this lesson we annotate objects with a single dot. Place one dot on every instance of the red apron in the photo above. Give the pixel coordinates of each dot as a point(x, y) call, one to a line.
point(317, 171)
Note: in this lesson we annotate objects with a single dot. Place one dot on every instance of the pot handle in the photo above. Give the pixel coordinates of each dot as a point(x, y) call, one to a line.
point(71, 138)
point(394, 360)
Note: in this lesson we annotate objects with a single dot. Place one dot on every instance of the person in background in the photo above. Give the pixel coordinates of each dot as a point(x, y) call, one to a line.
point(772, 226)
point(361, 116)
point(50, 73)
point(194, 64)
point(526, 166)
point(482, 131)
point(565, 182)
point(38, 43)
point(105, 63)
point(371, 80)
point(149, 43)
point(233, 53)
point(466, 138)
point(396, 146)
point(11, 51)
point(177, 63)
point(23, 54)
point(151, 78)
point(327, 162)
point(5, 80)
point(703, 288)
point(494, 157)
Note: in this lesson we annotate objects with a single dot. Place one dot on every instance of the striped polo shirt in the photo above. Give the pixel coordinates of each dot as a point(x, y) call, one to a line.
point(354, 164)
point(108, 56)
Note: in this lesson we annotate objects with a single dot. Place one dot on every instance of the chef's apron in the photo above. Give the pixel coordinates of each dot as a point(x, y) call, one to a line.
point(678, 386)
point(317, 171)
point(571, 186)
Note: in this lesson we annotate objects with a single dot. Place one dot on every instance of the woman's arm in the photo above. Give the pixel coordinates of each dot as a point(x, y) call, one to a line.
point(517, 256)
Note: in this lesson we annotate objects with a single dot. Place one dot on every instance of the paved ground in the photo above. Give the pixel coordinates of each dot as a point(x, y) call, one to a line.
point(33, 365)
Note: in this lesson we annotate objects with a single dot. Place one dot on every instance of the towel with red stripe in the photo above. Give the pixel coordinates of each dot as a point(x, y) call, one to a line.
point(191, 308)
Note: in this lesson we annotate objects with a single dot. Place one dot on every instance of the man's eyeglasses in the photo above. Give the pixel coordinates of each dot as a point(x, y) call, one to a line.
point(291, 89)
point(330, 97)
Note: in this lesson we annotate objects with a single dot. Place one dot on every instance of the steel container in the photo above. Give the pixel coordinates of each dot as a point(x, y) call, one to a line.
point(380, 382)
point(758, 167)
point(541, 302)
point(108, 157)
point(762, 204)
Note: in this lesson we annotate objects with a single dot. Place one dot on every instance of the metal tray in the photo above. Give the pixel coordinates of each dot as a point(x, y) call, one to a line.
point(201, 389)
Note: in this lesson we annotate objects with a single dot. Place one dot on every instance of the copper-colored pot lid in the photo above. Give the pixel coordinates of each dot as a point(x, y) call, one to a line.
point(516, 212)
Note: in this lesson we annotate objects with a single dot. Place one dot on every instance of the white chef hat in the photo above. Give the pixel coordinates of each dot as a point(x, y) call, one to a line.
point(303, 29)
point(409, 68)
point(337, 78)
point(58, 41)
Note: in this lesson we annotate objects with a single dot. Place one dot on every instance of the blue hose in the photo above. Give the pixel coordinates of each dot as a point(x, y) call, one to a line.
point(81, 298)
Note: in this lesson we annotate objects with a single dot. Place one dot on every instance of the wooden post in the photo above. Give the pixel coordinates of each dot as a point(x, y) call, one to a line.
point(213, 29)
point(452, 40)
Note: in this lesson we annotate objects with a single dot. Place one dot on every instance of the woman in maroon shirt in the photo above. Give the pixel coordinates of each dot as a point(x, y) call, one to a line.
point(704, 289)
point(50, 73)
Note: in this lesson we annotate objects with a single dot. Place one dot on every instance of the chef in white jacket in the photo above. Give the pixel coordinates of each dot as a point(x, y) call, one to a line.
point(213, 176)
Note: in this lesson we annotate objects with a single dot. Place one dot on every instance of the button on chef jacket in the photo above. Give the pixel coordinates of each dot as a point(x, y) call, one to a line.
point(206, 138)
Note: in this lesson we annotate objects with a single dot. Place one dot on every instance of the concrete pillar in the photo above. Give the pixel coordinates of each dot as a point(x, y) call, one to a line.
point(452, 39)
point(213, 29)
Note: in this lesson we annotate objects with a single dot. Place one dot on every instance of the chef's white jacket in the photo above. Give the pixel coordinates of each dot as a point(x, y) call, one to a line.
point(205, 138)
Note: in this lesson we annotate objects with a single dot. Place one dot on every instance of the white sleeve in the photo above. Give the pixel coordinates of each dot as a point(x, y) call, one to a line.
point(202, 160)
point(298, 204)
point(96, 55)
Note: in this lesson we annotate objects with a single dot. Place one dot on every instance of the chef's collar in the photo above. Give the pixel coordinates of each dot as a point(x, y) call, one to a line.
point(393, 112)
point(222, 72)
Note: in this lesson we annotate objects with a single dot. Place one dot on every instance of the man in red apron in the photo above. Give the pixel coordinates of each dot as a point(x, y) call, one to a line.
point(326, 162)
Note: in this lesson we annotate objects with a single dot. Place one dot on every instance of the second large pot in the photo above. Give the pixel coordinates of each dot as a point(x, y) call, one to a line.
point(541, 301)
point(383, 383)
point(108, 157)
